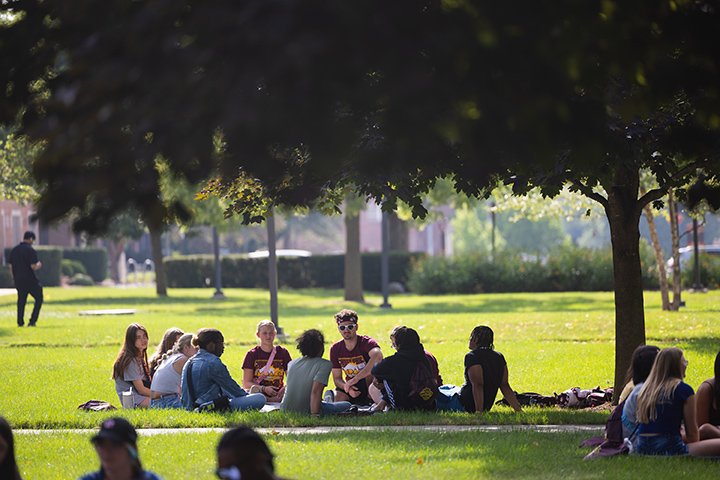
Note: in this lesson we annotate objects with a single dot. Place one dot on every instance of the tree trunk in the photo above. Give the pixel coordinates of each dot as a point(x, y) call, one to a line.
point(115, 249)
point(156, 246)
point(398, 234)
point(675, 246)
point(353, 262)
point(623, 215)
point(659, 257)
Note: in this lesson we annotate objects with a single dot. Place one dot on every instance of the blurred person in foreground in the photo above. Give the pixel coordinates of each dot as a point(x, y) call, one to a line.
point(116, 447)
point(243, 454)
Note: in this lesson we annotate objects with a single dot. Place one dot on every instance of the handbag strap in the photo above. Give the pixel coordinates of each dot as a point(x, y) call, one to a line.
point(266, 369)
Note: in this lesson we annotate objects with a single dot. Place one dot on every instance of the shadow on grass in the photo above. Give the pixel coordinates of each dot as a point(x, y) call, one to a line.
point(232, 305)
point(704, 345)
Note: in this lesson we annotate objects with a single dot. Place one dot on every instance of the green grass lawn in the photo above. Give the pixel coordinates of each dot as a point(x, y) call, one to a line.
point(551, 342)
point(387, 455)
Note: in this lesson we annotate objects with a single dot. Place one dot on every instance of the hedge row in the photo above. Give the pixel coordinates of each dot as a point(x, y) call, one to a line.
point(567, 269)
point(94, 259)
point(51, 258)
point(321, 271)
point(709, 272)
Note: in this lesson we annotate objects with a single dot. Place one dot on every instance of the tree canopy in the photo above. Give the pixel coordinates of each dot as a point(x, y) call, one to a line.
point(311, 95)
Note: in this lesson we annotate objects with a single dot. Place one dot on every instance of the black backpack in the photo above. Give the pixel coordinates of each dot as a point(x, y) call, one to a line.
point(423, 387)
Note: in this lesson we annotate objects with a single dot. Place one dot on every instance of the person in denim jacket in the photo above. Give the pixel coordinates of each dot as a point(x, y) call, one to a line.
point(211, 378)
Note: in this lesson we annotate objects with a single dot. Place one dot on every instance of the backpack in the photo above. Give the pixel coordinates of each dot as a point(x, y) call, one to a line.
point(423, 387)
point(613, 443)
point(532, 399)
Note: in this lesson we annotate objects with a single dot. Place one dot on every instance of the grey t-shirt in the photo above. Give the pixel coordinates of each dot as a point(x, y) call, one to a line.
point(166, 379)
point(134, 371)
point(301, 374)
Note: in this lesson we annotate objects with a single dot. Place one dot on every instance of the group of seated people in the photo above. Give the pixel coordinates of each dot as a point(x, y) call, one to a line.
point(661, 414)
point(186, 372)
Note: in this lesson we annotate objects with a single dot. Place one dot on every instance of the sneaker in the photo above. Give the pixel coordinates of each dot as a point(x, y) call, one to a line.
point(329, 396)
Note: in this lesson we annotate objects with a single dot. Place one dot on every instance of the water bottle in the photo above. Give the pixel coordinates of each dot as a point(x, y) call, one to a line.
point(127, 399)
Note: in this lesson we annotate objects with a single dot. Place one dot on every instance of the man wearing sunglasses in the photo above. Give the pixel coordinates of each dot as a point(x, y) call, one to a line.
point(352, 360)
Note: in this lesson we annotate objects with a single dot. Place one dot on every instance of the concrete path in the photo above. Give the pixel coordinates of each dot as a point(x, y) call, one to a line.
point(589, 429)
point(7, 291)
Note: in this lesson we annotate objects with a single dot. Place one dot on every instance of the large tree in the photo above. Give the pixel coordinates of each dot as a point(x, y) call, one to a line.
point(312, 94)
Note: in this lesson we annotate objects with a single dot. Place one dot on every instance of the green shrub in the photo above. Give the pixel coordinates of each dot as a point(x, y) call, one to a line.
point(6, 279)
point(51, 257)
point(94, 259)
point(565, 269)
point(321, 271)
point(70, 267)
point(709, 272)
point(82, 280)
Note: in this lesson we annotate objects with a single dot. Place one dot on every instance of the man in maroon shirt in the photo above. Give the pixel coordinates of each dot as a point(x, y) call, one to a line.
point(352, 360)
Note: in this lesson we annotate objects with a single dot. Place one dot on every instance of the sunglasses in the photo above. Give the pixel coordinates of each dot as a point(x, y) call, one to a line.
point(229, 473)
point(342, 328)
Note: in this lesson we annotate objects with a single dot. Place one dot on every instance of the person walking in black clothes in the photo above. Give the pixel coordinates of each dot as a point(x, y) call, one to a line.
point(24, 261)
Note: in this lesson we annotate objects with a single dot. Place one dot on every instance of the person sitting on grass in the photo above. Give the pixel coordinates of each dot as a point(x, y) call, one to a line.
point(664, 402)
point(167, 378)
point(8, 465)
point(485, 372)
point(130, 370)
point(353, 358)
point(265, 365)
point(169, 339)
point(398, 372)
point(211, 378)
point(708, 405)
point(307, 378)
point(116, 447)
point(640, 367)
point(243, 454)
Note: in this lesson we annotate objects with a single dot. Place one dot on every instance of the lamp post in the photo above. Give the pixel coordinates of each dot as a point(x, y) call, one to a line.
point(272, 271)
point(385, 259)
point(218, 268)
point(696, 260)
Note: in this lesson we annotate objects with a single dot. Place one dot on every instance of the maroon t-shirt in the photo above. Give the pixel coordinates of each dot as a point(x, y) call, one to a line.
point(257, 358)
point(351, 362)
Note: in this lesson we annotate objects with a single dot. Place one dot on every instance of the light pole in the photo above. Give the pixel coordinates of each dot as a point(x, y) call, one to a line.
point(272, 271)
point(696, 260)
point(385, 259)
point(218, 268)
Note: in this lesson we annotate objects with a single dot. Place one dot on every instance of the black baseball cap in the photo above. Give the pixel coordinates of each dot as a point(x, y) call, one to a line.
point(116, 429)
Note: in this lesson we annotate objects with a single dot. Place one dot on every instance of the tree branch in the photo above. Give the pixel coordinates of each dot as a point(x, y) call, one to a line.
point(588, 192)
point(650, 196)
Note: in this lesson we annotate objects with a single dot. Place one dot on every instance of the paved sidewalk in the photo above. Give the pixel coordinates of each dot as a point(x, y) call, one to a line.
point(590, 429)
point(7, 291)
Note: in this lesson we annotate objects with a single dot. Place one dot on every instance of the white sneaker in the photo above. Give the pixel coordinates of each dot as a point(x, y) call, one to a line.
point(329, 396)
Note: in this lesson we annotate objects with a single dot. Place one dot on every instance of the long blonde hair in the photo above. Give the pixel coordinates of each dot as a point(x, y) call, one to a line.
point(665, 376)
point(185, 340)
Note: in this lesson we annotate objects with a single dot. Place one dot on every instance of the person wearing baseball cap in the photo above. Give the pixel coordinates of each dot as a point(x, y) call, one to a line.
point(116, 447)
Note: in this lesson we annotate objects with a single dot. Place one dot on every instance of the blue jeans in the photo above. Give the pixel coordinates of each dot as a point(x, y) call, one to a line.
point(166, 401)
point(667, 444)
point(448, 399)
point(334, 408)
point(252, 401)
